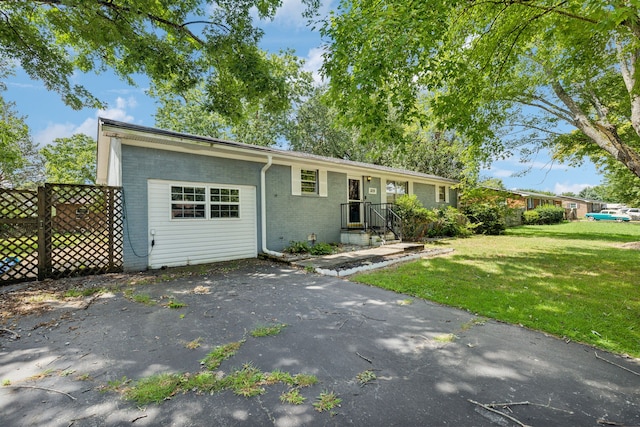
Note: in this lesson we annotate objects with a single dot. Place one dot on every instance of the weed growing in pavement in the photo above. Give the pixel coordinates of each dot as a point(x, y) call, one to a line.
point(366, 377)
point(155, 388)
point(267, 330)
point(446, 338)
point(246, 382)
point(6, 382)
point(326, 401)
point(215, 357)
point(304, 380)
point(192, 345)
point(174, 304)
point(292, 397)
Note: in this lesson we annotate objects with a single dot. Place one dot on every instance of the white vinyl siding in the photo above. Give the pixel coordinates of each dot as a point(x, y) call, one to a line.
point(203, 240)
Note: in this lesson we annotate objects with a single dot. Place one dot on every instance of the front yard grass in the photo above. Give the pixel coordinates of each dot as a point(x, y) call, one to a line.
point(573, 280)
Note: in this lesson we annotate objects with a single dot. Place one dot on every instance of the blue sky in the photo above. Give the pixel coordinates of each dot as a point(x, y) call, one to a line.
point(48, 118)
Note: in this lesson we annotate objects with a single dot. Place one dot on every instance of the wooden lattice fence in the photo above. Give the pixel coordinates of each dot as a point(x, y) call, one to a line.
point(60, 230)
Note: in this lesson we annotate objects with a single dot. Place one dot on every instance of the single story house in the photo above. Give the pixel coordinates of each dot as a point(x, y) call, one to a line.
point(577, 207)
point(530, 200)
point(190, 199)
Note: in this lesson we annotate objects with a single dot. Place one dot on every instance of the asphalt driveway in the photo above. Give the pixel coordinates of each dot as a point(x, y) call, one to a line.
point(433, 365)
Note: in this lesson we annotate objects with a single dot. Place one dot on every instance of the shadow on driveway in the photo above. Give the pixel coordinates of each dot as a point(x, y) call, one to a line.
point(430, 362)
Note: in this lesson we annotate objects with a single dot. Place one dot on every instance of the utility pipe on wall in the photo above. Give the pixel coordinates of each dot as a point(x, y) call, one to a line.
point(263, 208)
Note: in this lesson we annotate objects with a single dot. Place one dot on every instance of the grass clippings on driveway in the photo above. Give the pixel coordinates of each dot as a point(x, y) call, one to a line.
point(575, 280)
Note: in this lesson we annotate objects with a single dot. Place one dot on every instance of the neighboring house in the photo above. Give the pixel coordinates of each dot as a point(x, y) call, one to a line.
point(191, 199)
point(577, 208)
point(530, 200)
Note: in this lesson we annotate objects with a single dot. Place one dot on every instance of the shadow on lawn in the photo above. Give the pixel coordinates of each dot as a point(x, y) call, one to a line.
point(583, 294)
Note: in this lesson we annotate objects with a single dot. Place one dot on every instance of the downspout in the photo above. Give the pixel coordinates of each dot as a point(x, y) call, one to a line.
point(263, 208)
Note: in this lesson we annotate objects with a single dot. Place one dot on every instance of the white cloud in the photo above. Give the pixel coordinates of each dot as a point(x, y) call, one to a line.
point(565, 187)
point(313, 62)
point(89, 126)
point(501, 173)
point(290, 14)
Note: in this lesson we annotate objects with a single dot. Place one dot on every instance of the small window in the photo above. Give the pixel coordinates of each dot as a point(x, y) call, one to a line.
point(442, 193)
point(396, 189)
point(573, 206)
point(225, 203)
point(184, 202)
point(309, 181)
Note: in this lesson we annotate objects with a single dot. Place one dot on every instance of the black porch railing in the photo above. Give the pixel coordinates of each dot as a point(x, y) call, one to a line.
point(378, 218)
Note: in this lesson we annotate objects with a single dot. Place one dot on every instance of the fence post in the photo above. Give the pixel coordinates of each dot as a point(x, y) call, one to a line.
point(110, 225)
point(42, 252)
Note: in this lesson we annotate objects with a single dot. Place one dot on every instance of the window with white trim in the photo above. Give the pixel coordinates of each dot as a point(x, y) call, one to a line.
point(396, 189)
point(192, 202)
point(225, 203)
point(188, 202)
point(442, 193)
point(309, 181)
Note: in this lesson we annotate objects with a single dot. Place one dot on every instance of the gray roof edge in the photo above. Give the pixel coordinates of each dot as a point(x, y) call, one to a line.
point(268, 150)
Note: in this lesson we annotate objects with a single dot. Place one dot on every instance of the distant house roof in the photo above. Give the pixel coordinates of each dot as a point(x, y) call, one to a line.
point(142, 131)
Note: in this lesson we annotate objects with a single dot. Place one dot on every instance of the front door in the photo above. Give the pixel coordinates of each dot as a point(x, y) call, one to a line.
point(355, 200)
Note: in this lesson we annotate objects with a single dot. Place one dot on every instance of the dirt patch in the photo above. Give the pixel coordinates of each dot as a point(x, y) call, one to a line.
point(631, 245)
point(41, 296)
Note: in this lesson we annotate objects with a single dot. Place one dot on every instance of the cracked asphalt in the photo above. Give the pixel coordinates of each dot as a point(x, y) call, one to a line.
point(434, 365)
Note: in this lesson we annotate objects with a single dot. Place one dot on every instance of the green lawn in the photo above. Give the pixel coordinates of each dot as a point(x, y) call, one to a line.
point(572, 280)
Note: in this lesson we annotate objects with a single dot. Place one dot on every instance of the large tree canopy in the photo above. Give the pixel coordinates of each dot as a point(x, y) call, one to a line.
point(20, 164)
point(501, 72)
point(71, 160)
point(254, 122)
point(178, 42)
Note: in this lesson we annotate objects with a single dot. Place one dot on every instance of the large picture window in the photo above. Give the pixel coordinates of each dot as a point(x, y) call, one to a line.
point(192, 202)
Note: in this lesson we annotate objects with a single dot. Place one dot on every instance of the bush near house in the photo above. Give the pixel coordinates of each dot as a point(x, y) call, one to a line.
point(488, 218)
point(419, 222)
point(544, 215)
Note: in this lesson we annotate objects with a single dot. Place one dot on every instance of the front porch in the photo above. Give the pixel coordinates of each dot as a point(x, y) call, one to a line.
point(369, 224)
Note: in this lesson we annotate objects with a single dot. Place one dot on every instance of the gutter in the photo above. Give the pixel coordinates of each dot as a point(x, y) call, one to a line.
point(263, 209)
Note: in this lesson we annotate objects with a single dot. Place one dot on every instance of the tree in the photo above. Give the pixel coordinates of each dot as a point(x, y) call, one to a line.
point(316, 129)
point(254, 122)
point(179, 43)
point(20, 164)
point(503, 73)
point(71, 160)
point(598, 192)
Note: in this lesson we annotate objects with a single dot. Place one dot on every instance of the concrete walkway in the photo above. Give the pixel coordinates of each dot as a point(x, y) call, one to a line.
point(347, 263)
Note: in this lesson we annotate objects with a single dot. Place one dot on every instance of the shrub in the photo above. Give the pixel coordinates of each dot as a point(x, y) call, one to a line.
point(419, 222)
point(544, 215)
point(487, 218)
point(321, 249)
point(297, 248)
point(550, 214)
point(531, 217)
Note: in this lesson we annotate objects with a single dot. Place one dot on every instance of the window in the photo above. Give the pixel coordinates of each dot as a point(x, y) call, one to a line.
point(573, 206)
point(225, 203)
point(442, 193)
point(396, 189)
point(309, 181)
point(188, 202)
